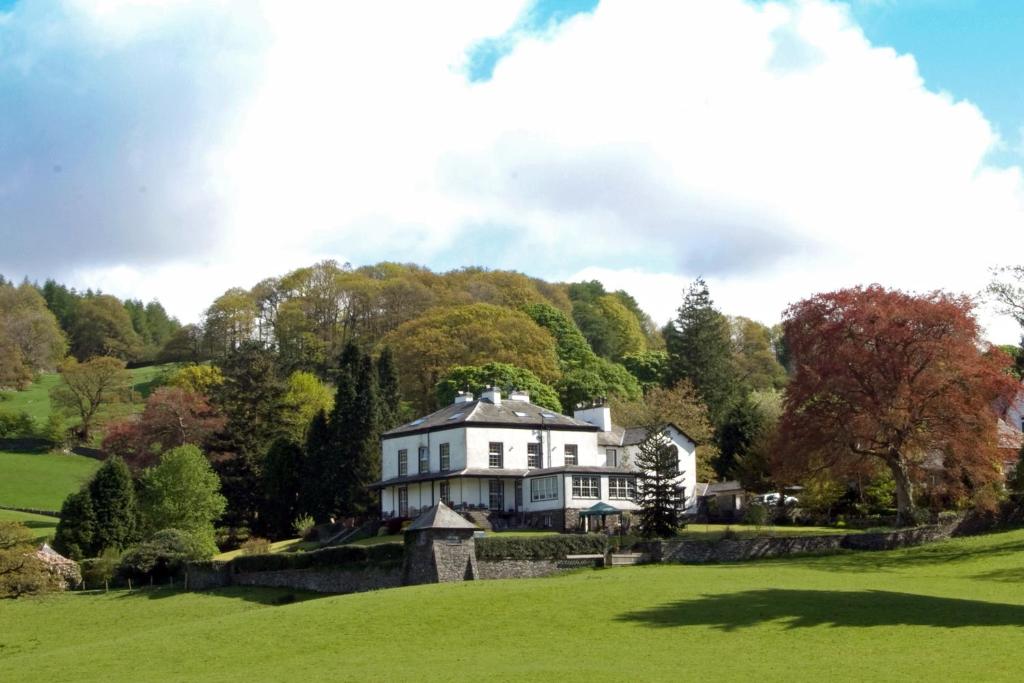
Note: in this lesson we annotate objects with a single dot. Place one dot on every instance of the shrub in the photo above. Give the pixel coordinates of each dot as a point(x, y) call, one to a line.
point(353, 556)
point(230, 538)
point(99, 571)
point(553, 547)
point(756, 515)
point(256, 545)
point(18, 424)
point(163, 555)
point(303, 526)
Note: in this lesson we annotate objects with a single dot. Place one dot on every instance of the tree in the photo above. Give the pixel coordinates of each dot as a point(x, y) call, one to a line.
point(320, 486)
point(757, 365)
point(31, 340)
point(390, 393)
point(182, 492)
point(1007, 289)
point(102, 327)
point(658, 480)
point(649, 367)
point(355, 432)
point(165, 554)
point(199, 379)
point(76, 531)
point(572, 347)
point(172, 417)
point(282, 483)
point(475, 378)
point(230, 321)
point(893, 377)
point(304, 397)
point(739, 435)
point(21, 572)
point(426, 348)
point(114, 505)
point(700, 349)
point(90, 387)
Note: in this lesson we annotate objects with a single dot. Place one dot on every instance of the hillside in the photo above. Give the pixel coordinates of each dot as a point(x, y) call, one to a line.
point(951, 611)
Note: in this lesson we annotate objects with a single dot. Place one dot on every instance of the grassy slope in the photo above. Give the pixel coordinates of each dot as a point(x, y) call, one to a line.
point(42, 526)
point(42, 480)
point(951, 611)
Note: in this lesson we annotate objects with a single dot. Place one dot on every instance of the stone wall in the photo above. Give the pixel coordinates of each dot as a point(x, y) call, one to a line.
point(529, 569)
point(325, 580)
point(738, 550)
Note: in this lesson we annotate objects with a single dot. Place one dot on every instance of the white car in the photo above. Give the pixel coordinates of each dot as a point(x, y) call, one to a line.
point(773, 499)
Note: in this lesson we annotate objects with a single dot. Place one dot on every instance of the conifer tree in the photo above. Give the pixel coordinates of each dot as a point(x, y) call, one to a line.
point(700, 350)
point(390, 397)
point(359, 431)
point(320, 487)
point(282, 478)
point(77, 527)
point(659, 499)
point(114, 505)
point(740, 432)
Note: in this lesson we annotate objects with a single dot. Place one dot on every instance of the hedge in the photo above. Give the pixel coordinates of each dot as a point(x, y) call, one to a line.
point(338, 556)
point(553, 547)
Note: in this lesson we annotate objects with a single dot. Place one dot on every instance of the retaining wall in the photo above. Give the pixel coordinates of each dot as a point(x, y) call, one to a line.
point(208, 575)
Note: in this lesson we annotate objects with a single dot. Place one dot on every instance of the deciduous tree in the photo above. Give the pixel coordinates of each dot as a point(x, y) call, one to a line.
point(86, 389)
point(102, 327)
point(475, 378)
point(894, 377)
point(182, 492)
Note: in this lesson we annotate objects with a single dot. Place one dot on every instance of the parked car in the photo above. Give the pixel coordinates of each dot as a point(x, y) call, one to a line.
point(773, 499)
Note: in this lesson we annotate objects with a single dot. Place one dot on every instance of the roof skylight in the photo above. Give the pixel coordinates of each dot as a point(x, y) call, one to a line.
point(456, 416)
point(520, 414)
point(417, 422)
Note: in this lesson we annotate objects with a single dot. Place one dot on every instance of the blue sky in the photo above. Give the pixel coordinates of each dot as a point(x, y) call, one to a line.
point(176, 149)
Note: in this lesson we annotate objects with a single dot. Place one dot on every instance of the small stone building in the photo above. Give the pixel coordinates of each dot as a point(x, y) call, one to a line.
point(439, 547)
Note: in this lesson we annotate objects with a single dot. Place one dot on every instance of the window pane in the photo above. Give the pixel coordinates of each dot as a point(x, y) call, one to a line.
point(403, 462)
point(570, 454)
point(533, 455)
point(446, 458)
point(495, 455)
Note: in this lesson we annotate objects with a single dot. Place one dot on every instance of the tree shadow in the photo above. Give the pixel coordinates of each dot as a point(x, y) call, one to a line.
point(894, 560)
point(271, 597)
point(807, 608)
point(1012, 575)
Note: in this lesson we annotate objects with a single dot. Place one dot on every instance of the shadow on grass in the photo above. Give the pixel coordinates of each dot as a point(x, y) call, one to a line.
point(27, 445)
point(263, 596)
point(893, 560)
point(1013, 575)
point(807, 609)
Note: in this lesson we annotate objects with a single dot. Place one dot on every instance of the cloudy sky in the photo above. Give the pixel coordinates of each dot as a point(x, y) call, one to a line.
point(166, 149)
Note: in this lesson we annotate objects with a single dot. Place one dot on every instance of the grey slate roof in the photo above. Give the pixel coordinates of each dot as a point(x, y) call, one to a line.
point(484, 413)
point(440, 517)
point(628, 436)
point(724, 487)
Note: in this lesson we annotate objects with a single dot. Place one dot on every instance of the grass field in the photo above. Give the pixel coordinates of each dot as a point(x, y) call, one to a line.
point(42, 480)
point(950, 611)
point(41, 525)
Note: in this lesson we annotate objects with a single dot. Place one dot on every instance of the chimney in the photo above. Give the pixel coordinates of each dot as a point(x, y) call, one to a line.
point(493, 395)
point(597, 415)
point(519, 395)
point(463, 397)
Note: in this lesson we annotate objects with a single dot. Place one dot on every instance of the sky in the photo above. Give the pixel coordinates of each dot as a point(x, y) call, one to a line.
point(173, 149)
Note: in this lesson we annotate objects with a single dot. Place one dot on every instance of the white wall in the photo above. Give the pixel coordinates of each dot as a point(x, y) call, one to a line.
point(455, 438)
point(514, 441)
point(687, 462)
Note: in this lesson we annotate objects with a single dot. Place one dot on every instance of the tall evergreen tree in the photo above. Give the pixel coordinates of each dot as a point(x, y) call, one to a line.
point(113, 502)
point(358, 429)
point(282, 478)
point(76, 529)
point(700, 350)
point(659, 496)
point(737, 436)
point(390, 396)
point(320, 486)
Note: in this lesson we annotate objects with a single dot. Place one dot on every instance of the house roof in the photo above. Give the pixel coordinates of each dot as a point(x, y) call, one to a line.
point(483, 413)
point(440, 517)
point(630, 436)
point(724, 487)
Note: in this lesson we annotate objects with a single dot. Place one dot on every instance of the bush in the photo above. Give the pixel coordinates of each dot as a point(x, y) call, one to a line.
point(394, 525)
point(756, 515)
point(99, 571)
point(14, 425)
point(353, 556)
point(256, 545)
point(303, 526)
point(164, 555)
point(554, 547)
point(230, 538)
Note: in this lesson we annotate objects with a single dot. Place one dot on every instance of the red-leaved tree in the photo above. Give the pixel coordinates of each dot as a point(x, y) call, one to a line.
point(893, 378)
point(172, 417)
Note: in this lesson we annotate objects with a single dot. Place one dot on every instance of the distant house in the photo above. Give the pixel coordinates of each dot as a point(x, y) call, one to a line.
point(518, 462)
point(722, 501)
point(1011, 431)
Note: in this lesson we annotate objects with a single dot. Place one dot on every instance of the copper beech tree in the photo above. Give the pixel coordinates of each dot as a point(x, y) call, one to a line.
point(896, 379)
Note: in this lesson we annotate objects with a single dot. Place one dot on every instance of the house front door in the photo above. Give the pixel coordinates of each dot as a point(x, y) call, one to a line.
point(497, 495)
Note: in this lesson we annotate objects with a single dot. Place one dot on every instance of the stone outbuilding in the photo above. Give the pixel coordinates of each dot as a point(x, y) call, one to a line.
point(439, 547)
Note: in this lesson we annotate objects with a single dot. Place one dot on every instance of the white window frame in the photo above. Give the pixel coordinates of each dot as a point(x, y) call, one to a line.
point(575, 454)
point(496, 454)
point(533, 458)
point(423, 460)
point(543, 488)
point(403, 462)
point(622, 488)
point(444, 452)
point(586, 486)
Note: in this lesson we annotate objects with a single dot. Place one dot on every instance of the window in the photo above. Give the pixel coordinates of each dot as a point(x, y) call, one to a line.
point(424, 459)
point(403, 462)
point(495, 454)
point(586, 487)
point(403, 501)
point(446, 496)
point(571, 454)
point(622, 488)
point(497, 495)
point(544, 488)
point(446, 457)
point(533, 455)
point(611, 457)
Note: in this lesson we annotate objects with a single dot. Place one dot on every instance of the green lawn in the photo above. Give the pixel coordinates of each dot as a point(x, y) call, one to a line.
point(946, 612)
point(42, 480)
point(42, 526)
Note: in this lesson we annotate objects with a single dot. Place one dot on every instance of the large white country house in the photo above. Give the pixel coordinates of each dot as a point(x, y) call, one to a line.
point(519, 463)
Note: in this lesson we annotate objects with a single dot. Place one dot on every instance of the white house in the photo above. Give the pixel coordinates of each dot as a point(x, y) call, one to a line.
point(528, 465)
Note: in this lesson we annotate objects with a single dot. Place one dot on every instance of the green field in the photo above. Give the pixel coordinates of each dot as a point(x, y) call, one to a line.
point(41, 525)
point(42, 480)
point(950, 611)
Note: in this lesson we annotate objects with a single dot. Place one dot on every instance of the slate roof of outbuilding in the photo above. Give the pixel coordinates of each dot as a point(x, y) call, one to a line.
point(440, 517)
point(482, 412)
point(629, 436)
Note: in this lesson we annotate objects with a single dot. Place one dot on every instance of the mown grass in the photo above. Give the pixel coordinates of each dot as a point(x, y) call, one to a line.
point(42, 480)
point(951, 611)
point(716, 531)
point(42, 527)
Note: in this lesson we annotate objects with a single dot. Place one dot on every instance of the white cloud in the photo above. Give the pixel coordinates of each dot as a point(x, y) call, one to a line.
point(769, 147)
